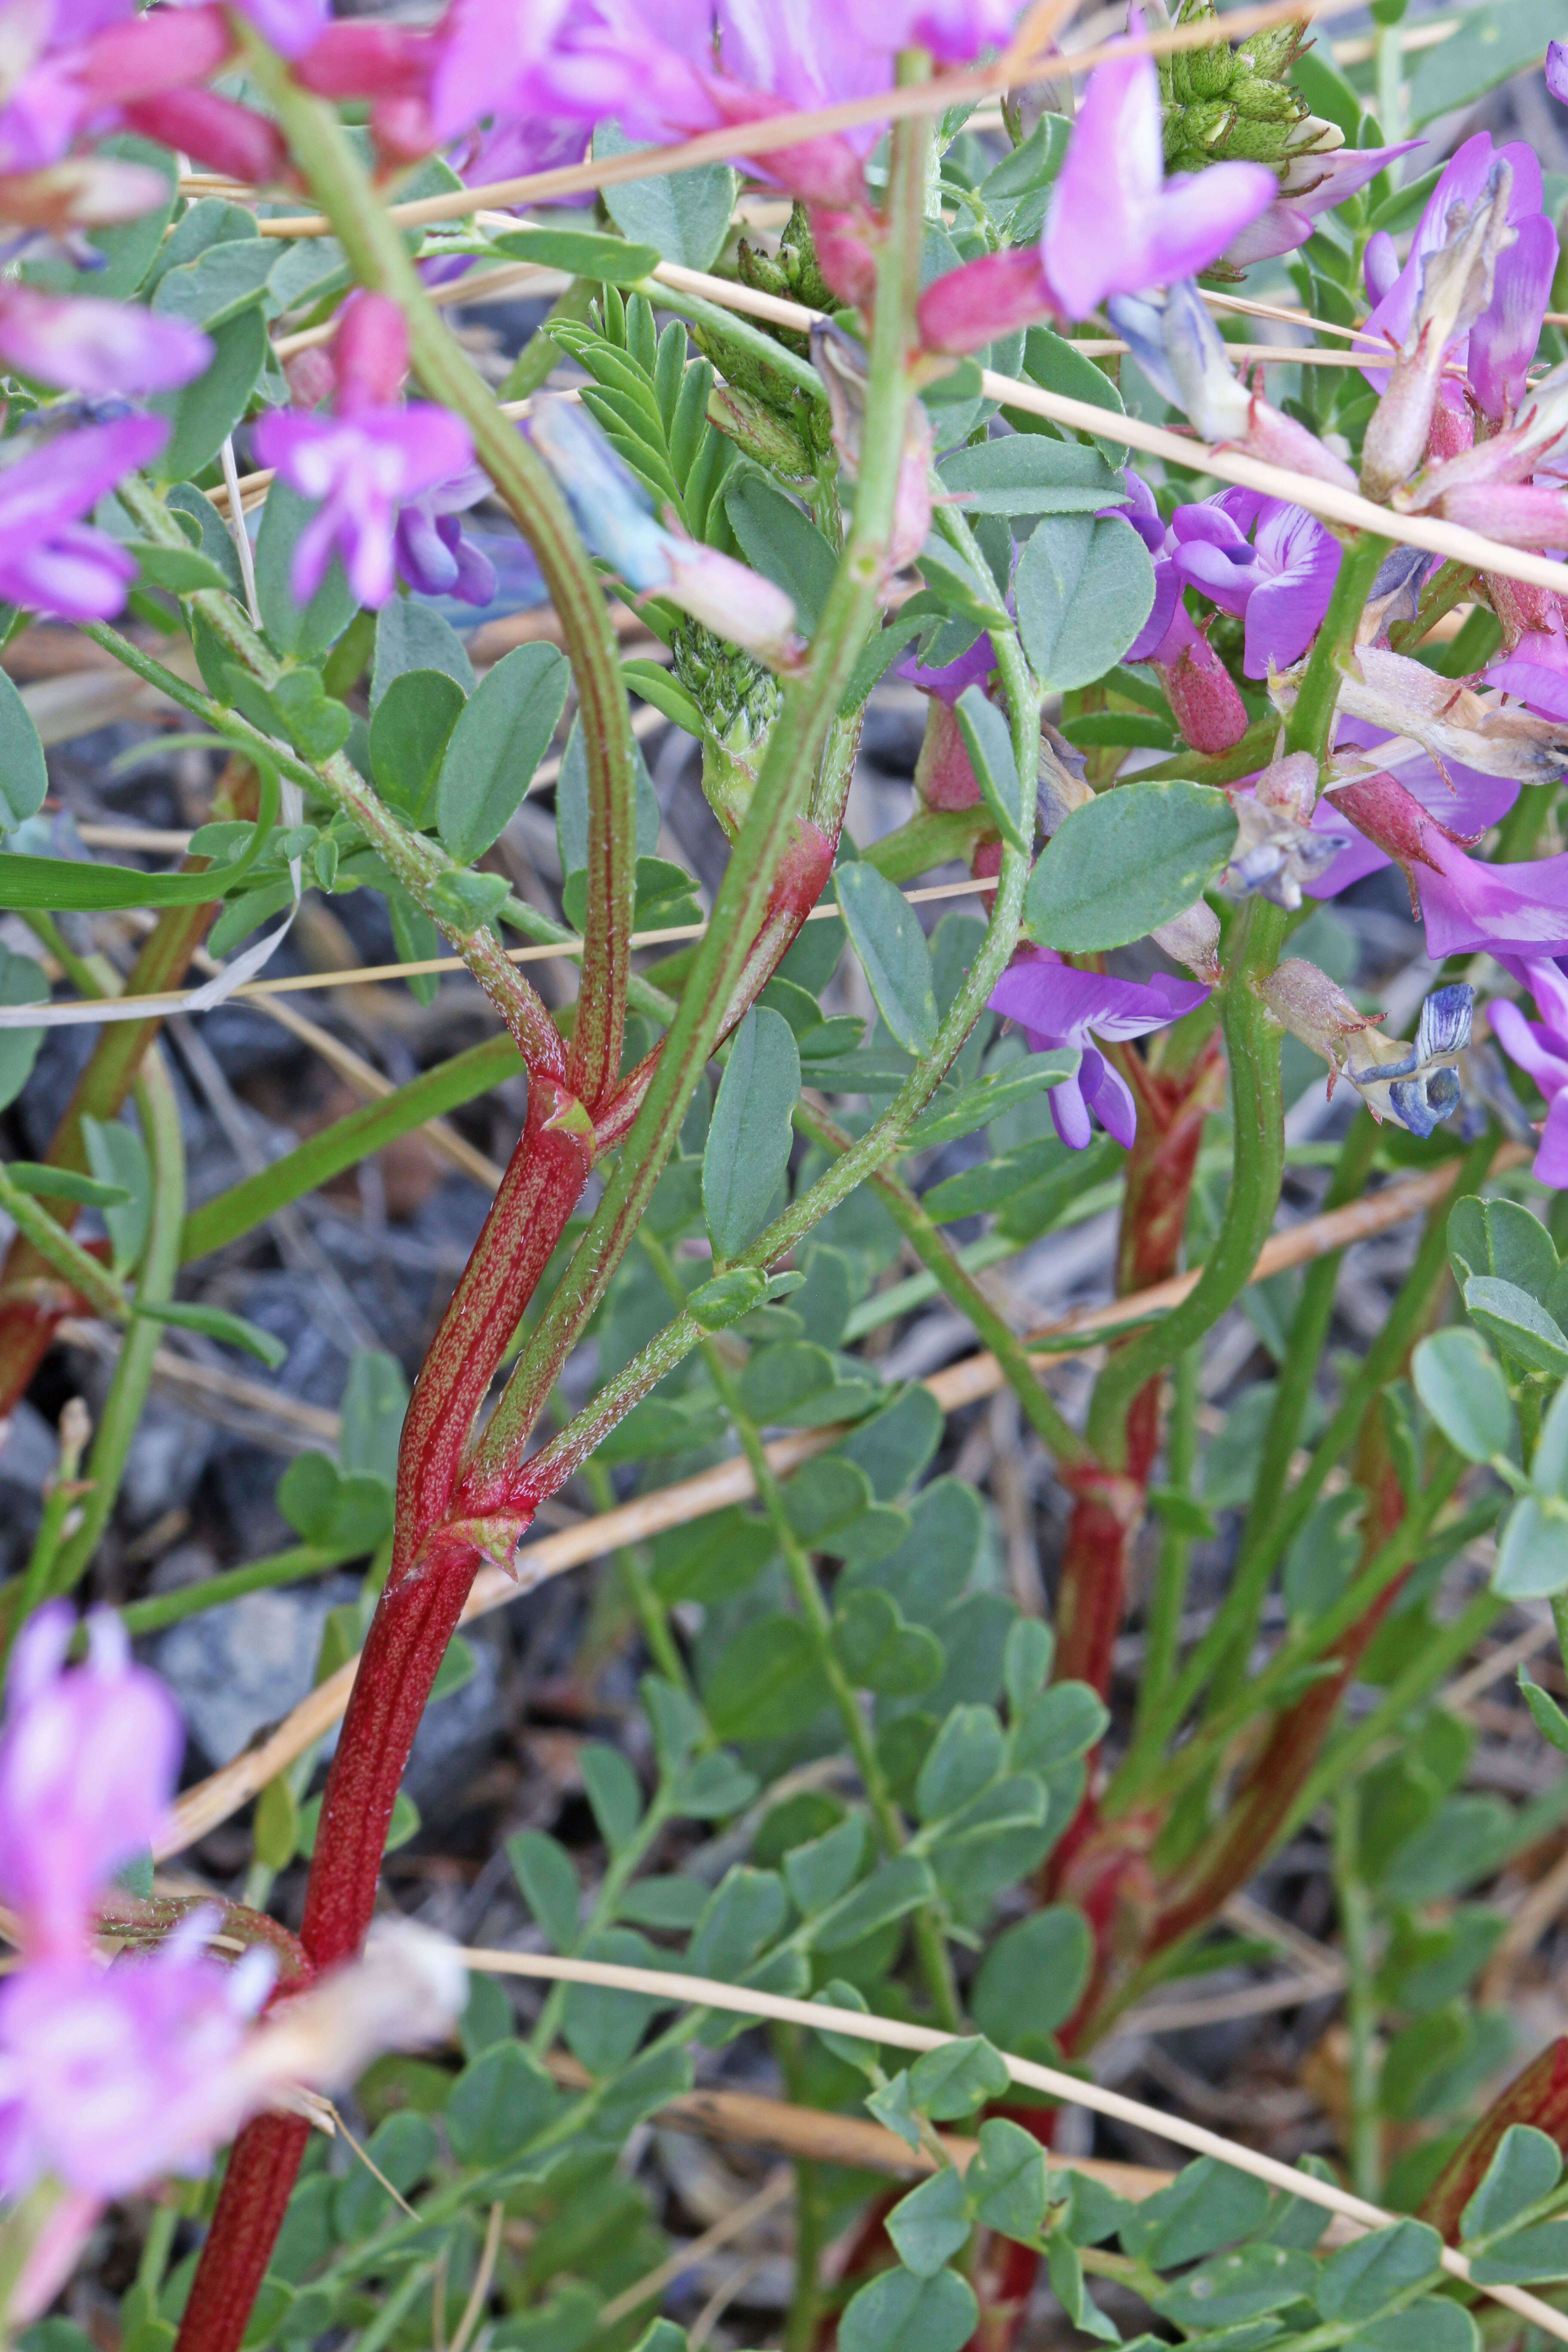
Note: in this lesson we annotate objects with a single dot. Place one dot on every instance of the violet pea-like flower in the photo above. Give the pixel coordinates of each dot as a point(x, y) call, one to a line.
point(1536, 674)
point(428, 546)
point(361, 468)
point(1056, 1005)
point(1313, 183)
point(1557, 69)
point(1280, 580)
point(1540, 1049)
point(1116, 224)
point(50, 560)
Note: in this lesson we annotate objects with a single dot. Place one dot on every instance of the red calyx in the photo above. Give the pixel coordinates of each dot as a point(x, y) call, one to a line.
point(168, 48)
point(362, 59)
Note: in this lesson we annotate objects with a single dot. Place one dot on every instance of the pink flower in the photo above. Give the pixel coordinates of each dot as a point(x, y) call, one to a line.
point(1116, 224)
point(1281, 581)
point(87, 345)
point(112, 2076)
point(1536, 674)
point(87, 1761)
point(667, 72)
point(367, 462)
point(49, 560)
point(1056, 1005)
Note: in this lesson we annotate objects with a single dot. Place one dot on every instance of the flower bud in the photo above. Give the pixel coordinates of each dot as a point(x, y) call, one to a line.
point(968, 308)
point(1201, 693)
point(363, 59)
point(370, 353)
point(403, 130)
point(944, 776)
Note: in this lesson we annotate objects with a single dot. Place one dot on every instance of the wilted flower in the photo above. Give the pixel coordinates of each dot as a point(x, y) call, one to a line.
point(1456, 286)
point(1313, 182)
point(1416, 1083)
point(1115, 225)
point(1451, 721)
point(1540, 1049)
point(1280, 853)
point(50, 560)
point(367, 461)
point(1056, 1005)
point(614, 515)
point(1183, 353)
point(1280, 580)
point(1495, 344)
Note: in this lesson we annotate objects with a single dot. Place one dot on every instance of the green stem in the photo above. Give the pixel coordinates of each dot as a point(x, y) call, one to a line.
point(140, 1617)
point(159, 1116)
point(1303, 1648)
point(1228, 1642)
point(1309, 726)
point(1450, 585)
point(1442, 1651)
point(381, 260)
point(554, 1464)
point(1168, 1599)
point(782, 791)
point(1361, 2003)
point(651, 1613)
point(952, 1278)
point(60, 1500)
point(85, 1274)
point(416, 861)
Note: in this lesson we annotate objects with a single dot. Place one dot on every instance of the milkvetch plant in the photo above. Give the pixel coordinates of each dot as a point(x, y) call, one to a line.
point(797, 406)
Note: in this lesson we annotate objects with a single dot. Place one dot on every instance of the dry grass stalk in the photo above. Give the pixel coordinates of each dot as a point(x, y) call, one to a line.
point(1070, 2089)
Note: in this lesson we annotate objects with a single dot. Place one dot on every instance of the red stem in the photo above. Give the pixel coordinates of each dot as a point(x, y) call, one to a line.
point(251, 2204)
point(1538, 2096)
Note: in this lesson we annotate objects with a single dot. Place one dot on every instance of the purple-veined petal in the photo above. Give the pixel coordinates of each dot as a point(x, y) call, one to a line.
point(1109, 1097)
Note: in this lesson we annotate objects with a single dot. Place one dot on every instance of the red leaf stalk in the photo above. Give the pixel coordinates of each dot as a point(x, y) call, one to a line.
point(1108, 1509)
point(414, 1620)
point(1538, 2096)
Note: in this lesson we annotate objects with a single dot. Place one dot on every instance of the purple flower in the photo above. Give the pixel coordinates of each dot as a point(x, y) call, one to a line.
point(1311, 184)
point(1116, 224)
point(1281, 580)
point(428, 546)
point(49, 560)
point(361, 468)
point(1502, 340)
point(1536, 674)
point(368, 460)
point(1466, 905)
point(1557, 69)
point(1540, 1049)
point(947, 680)
point(98, 347)
point(1056, 1005)
point(665, 71)
point(88, 1759)
point(109, 2077)
point(291, 26)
